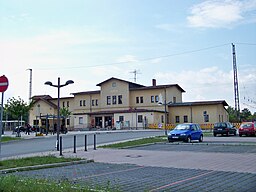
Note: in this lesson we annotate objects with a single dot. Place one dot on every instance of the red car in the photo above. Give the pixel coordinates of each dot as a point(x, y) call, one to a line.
point(247, 128)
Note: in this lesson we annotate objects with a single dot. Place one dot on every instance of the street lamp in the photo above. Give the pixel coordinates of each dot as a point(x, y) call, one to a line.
point(58, 111)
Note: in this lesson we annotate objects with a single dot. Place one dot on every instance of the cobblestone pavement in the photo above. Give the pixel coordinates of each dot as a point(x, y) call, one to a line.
point(162, 167)
point(128, 177)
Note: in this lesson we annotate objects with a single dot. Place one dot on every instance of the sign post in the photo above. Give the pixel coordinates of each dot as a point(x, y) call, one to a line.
point(3, 87)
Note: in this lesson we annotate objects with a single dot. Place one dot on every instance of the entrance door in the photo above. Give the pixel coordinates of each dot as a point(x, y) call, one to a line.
point(98, 122)
point(108, 122)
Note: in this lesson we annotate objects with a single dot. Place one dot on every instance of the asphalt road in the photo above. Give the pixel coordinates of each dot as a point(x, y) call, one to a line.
point(44, 144)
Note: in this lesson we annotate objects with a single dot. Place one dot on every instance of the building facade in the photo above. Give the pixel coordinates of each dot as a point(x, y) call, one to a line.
point(120, 104)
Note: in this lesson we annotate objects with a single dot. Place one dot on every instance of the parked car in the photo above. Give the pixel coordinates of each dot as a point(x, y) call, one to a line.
point(224, 128)
point(247, 128)
point(20, 129)
point(186, 132)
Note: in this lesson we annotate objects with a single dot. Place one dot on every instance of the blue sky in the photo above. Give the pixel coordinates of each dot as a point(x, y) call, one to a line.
point(176, 42)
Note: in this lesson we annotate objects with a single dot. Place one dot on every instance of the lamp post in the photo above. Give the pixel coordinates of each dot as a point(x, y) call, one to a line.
point(58, 110)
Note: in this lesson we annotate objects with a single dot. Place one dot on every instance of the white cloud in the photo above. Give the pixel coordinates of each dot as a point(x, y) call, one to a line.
point(221, 13)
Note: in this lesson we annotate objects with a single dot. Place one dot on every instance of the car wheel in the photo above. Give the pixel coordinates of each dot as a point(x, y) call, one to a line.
point(235, 133)
point(189, 139)
point(227, 134)
point(214, 134)
point(240, 135)
point(201, 138)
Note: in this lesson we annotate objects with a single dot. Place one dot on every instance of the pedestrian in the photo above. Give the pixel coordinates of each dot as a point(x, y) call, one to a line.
point(54, 128)
point(28, 128)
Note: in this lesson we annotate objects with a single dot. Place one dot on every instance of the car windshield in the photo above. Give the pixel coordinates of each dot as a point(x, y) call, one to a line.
point(182, 127)
point(246, 125)
point(220, 125)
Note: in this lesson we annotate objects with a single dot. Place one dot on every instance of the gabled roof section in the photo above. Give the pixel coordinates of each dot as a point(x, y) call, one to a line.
point(159, 87)
point(131, 84)
point(44, 98)
point(86, 92)
point(223, 102)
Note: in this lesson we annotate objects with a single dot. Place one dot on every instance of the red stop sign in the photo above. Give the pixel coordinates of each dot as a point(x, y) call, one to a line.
point(3, 83)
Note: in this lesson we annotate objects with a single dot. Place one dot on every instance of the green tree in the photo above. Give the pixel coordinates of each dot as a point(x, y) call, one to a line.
point(232, 114)
point(245, 115)
point(64, 112)
point(17, 109)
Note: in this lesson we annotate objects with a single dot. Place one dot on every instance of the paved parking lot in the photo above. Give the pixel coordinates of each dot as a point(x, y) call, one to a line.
point(208, 166)
point(128, 177)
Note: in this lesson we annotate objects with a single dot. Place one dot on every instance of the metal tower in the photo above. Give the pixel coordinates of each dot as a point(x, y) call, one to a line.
point(30, 85)
point(237, 107)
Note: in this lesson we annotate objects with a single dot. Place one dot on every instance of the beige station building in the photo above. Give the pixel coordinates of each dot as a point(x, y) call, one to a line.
point(120, 104)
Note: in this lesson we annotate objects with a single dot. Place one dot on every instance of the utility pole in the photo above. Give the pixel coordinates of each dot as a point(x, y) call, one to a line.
point(30, 85)
point(237, 106)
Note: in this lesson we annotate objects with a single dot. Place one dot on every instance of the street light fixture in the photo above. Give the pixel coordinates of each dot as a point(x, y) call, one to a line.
point(58, 110)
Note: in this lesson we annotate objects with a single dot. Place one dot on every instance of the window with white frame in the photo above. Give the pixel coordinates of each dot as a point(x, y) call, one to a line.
point(81, 120)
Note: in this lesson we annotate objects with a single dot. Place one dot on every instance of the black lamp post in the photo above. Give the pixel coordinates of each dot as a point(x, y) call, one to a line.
point(58, 115)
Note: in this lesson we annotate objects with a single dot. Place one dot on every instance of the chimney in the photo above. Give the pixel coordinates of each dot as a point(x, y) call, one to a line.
point(153, 82)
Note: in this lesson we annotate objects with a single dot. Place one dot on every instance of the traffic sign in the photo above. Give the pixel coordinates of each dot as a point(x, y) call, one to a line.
point(3, 83)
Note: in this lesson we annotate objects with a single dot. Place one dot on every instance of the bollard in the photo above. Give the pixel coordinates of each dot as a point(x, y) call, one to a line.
point(74, 143)
point(60, 145)
point(85, 143)
point(94, 141)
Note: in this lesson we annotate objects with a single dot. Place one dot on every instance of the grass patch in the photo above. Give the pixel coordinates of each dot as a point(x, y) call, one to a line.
point(12, 183)
point(7, 138)
point(136, 142)
point(29, 161)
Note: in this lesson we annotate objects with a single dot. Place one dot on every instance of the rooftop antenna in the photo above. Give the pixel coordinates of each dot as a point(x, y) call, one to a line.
point(135, 74)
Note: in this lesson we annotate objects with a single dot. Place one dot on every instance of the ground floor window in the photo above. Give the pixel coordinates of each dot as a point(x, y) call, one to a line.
point(185, 118)
point(80, 120)
point(177, 119)
point(140, 118)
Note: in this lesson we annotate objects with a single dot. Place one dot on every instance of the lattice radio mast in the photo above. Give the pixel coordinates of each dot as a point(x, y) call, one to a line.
point(237, 106)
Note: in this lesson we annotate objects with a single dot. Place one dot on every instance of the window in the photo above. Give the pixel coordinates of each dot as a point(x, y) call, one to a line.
point(185, 118)
point(108, 100)
point(152, 99)
point(206, 118)
point(81, 103)
point(121, 118)
point(141, 99)
point(156, 98)
point(80, 120)
point(67, 103)
point(137, 100)
point(96, 102)
point(174, 99)
point(120, 99)
point(114, 84)
point(92, 102)
point(162, 119)
point(139, 118)
point(177, 119)
point(68, 121)
point(63, 103)
point(114, 100)
point(84, 102)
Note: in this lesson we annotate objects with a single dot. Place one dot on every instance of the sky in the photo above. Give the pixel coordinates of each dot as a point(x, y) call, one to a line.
point(186, 42)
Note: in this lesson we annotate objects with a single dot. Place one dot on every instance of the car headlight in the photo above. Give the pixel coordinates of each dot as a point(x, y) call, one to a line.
point(183, 134)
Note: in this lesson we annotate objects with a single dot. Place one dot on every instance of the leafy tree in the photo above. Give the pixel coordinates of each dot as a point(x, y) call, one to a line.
point(17, 109)
point(65, 113)
point(232, 114)
point(245, 115)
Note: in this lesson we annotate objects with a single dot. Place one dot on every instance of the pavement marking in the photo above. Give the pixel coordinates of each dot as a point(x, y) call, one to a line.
point(181, 181)
point(109, 173)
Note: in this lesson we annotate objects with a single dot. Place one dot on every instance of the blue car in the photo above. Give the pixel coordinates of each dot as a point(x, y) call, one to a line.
point(186, 132)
